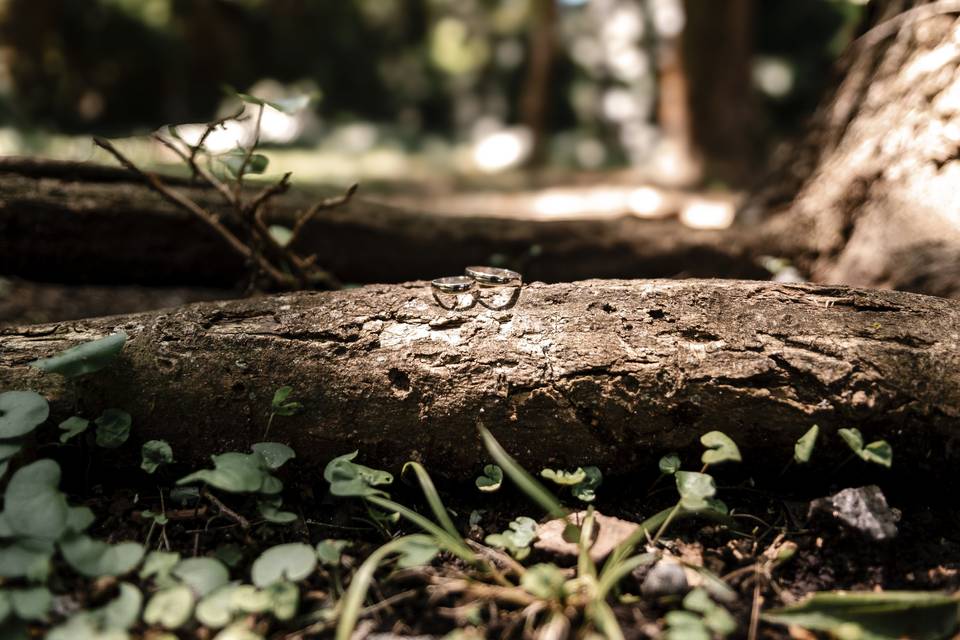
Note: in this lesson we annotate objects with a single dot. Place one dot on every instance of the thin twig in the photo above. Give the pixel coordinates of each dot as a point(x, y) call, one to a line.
point(182, 201)
point(326, 203)
point(225, 510)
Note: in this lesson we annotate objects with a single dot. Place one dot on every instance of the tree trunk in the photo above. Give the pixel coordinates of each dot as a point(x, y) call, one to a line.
point(65, 222)
point(878, 200)
point(613, 373)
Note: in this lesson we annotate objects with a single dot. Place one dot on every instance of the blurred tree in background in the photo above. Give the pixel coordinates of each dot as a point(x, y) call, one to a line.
point(577, 83)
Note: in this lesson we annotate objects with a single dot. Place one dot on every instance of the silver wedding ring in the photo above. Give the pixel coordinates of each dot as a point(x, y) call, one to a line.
point(453, 284)
point(494, 276)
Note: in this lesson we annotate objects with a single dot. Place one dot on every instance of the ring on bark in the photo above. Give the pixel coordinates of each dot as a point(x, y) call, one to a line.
point(494, 275)
point(500, 298)
point(456, 286)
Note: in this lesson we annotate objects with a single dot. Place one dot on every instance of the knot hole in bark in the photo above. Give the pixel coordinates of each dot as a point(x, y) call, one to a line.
point(400, 381)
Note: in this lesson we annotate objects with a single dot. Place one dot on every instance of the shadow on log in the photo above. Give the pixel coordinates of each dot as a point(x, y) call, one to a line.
point(612, 373)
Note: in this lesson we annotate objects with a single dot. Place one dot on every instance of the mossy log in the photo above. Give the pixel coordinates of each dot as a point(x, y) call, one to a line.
point(612, 373)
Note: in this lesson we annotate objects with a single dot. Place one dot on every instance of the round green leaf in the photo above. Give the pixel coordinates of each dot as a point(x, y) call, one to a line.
point(348, 479)
point(217, 609)
point(695, 489)
point(18, 561)
point(113, 428)
point(329, 551)
point(155, 453)
point(85, 358)
point(669, 464)
point(34, 505)
point(170, 608)
point(491, 479)
point(203, 575)
point(544, 581)
point(123, 611)
point(95, 558)
point(31, 604)
point(274, 454)
point(21, 412)
point(293, 562)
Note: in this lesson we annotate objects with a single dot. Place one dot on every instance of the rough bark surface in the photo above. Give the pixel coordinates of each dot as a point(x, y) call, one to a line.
point(879, 206)
point(614, 373)
point(76, 223)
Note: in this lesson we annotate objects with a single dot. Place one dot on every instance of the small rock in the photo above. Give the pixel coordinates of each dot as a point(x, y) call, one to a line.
point(666, 578)
point(863, 510)
point(608, 533)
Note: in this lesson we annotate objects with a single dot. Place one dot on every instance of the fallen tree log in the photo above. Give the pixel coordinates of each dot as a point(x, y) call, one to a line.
point(68, 222)
point(613, 373)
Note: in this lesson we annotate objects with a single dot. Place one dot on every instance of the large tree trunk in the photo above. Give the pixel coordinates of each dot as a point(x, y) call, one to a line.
point(613, 373)
point(65, 222)
point(878, 197)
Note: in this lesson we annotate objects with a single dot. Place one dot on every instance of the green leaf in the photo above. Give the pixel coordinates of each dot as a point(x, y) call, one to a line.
point(229, 554)
point(79, 519)
point(544, 581)
point(233, 472)
point(294, 561)
point(19, 561)
point(282, 236)
point(416, 552)
point(169, 608)
point(73, 427)
point(669, 464)
point(715, 617)
point(113, 428)
point(7, 451)
point(30, 604)
point(85, 358)
point(348, 479)
point(695, 489)
point(34, 505)
point(879, 452)
point(123, 611)
point(217, 609)
point(853, 438)
point(279, 405)
point(586, 490)
point(21, 412)
point(803, 449)
point(233, 160)
point(527, 483)
point(275, 454)
point(564, 478)
point(159, 565)
point(517, 538)
point(683, 625)
point(203, 575)
point(491, 479)
point(95, 558)
point(154, 453)
point(720, 448)
point(283, 600)
point(271, 513)
point(330, 551)
point(883, 615)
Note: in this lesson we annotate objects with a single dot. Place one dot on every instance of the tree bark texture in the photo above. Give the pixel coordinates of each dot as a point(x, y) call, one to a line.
point(878, 200)
point(64, 222)
point(612, 373)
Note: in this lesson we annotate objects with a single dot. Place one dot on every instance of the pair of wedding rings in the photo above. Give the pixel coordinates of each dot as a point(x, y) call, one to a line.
point(502, 287)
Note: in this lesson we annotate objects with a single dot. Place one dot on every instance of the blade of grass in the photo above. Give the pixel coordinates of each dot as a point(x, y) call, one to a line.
point(527, 483)
point(433, 498)
point(453, 544)
point(357, 592)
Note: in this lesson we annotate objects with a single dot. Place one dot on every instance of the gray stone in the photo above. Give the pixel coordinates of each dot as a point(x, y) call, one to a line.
point(863, 510)
point(666, 578)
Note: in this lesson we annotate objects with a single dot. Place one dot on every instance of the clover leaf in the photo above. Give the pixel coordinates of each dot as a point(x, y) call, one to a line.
point(669, 464)
point(491, 479)
point(155, 453)
point(275, 454)
point(203, 575)
point(348, 479)
point(34, 505)
point(720, 448)
point(279, 404)
point(293, 562)
point(95, 558)
point(21, 412)
point(695, 489)
point(73, 427)
point(878, 452)
point(517, 538)
point(113, 428)
point(170, 608)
